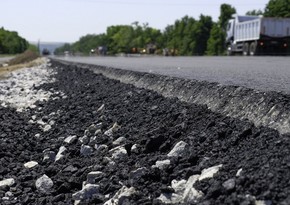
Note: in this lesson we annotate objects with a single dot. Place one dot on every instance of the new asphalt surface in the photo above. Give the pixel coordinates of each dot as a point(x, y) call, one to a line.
point(266, 73)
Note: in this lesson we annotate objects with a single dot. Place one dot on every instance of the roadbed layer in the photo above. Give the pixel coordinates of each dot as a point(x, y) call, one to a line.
point(96, 140)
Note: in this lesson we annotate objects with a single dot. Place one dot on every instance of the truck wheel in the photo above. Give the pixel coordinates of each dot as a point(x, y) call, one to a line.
point(229, 51)
point(253, 49)
point(246, 49)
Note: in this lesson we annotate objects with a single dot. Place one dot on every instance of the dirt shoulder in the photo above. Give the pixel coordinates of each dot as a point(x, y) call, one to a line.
point(4, 71)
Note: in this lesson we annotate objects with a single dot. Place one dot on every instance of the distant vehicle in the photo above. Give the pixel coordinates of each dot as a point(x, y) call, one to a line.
point(256, 35)
point(45, 52)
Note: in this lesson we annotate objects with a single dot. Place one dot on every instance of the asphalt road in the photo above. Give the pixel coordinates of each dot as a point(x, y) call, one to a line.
point(262, 73)
point(5, 59)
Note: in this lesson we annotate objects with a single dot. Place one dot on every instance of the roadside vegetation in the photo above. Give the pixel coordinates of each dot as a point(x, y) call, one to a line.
point(187, 36)
point(28, 58)
point(11, 42)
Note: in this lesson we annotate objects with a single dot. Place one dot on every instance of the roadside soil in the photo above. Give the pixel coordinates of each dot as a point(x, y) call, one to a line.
point(5, 70)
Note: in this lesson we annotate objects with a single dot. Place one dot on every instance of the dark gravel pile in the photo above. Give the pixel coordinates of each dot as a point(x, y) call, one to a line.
point(143, 127)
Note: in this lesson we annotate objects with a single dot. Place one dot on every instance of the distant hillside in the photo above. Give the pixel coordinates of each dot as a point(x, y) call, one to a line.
point(51, 46)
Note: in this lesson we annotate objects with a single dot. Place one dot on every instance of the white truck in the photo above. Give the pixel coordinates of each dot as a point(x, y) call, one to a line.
point(256, 35)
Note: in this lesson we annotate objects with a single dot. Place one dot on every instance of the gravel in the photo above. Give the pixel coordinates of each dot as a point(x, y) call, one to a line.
point(112, 143)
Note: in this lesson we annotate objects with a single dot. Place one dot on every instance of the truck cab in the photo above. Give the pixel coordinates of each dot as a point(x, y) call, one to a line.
point(230, 31)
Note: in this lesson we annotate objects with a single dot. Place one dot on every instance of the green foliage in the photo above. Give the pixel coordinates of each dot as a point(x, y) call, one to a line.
point(226, 13)
point(88, 42)
point(62, 49)
point(33, 48)
point(202, 33)
point(123, 38)
point(118, 39)
point(216, 42)
point(83, 45)
point(11, 42)
point(188, 36)
point(179, 37)
point(277, 8)
point(255, 13)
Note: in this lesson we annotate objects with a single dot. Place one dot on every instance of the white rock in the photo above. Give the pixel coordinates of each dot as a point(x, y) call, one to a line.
point(118, 153)
point(9, 194)
point(7, 182)
point(77, 202)
point(40, 122)
point(190, 194)
point(98, 131)
point(51, 122)
point(86, 150)
point(134, 148)
point(5, 198)
point(112, 130)
point(121, 195)
point(60, 153)
point(161, 164)
point(119, 141)
point(31, 122)
point(178, 149)
point(37, 135)
point(178, 186)
point(229, 184)
point(87, 192)
point(91, 177)
point(21, 93)
point(70, 139)
point(30, 164)
point(46, 128)
point(239, 172)
point(183, 192)
point(261, 202)
point(101, 108)
point(209, 172)
point(44, 184)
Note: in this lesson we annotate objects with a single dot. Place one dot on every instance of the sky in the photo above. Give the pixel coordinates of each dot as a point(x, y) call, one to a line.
point(68, 20)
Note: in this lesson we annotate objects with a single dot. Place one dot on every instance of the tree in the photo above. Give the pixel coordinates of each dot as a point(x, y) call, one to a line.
point(226, 13)
point(62, 49)
point(216, 42)
point(277, 8)
point(11, 42)
point(202, 31)
point(255, 13)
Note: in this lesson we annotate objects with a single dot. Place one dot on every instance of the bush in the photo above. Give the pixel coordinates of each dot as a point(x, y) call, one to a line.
point(25, 57)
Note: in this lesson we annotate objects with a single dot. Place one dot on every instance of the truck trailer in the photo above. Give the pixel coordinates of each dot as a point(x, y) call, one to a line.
point(257, 35)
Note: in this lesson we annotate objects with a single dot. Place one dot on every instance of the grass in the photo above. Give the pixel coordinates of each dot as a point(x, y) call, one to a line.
point(27, 59)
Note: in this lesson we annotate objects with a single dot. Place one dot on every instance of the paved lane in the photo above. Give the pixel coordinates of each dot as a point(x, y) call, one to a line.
point(262, 73)
point(5, 59)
